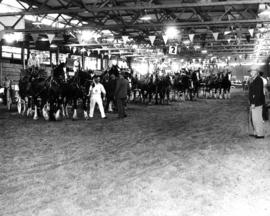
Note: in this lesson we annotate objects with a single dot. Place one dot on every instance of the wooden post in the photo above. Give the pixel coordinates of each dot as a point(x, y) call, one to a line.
point(57, 56)
point(1, 68)
point(51, 58)
point(83, 62)
point(23, 56)
point(101, 62)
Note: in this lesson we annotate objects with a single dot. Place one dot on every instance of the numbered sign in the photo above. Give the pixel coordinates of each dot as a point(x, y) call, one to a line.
point(173, 50)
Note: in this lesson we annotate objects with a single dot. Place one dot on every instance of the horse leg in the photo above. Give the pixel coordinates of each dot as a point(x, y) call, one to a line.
point(35, 109)
point(85, 113)
point(57, 115)
point(65, 109)
point(229, 93)
point(29, 107)
point(168, 96)
point(75, 115)
point(19, 105)
point(45, 111)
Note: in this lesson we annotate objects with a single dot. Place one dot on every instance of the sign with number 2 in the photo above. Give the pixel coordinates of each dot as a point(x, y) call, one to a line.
point(173, 50)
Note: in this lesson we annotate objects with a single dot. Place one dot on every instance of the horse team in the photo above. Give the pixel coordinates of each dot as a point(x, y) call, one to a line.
point(51, 96)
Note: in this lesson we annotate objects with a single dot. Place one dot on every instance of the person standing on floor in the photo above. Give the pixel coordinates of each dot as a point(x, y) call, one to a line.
point(256, 101)
point(110, 102)
point(120, 93)
point(95, 92)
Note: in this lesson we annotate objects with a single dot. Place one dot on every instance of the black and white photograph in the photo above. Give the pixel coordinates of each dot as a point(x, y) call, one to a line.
point(134, 107)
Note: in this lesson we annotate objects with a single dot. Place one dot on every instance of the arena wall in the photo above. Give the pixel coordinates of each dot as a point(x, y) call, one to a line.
point(11, 70)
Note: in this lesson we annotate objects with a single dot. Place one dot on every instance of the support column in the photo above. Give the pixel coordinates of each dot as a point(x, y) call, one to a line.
point(51, 58)
point(1, 65)
point(83, 61)
point(23, 56)
point(101, 62)
point(57, 56)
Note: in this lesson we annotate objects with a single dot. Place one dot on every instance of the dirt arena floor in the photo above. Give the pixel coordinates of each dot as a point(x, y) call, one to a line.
point(184, 159)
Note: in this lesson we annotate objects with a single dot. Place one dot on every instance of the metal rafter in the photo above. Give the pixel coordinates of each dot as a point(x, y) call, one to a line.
point(135, 7)
point(138, 26)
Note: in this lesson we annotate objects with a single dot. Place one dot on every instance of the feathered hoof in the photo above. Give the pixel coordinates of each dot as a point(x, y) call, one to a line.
point(35, 118)
point(57, 115)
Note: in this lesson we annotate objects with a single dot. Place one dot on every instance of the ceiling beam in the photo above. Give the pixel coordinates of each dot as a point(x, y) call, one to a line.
point(150, 25)
point(136, 7)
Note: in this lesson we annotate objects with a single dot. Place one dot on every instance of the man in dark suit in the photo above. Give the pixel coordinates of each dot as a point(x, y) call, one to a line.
point(110, 88)
point(256, 100)
point(120, 94)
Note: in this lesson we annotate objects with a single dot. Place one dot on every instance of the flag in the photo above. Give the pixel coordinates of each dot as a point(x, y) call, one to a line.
point(165, 38)
point(215, 34)
point(191, 37)
point(251, 32)
point(51, 37)
point(152, 39)
point(34, 36)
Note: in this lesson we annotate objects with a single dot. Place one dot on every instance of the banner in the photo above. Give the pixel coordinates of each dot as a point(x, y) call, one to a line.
point(191, 37)
point(215, 34)
point(165, 38)
point(152, 39)
point(51, 37)
point(251, 32)
point(34, 36)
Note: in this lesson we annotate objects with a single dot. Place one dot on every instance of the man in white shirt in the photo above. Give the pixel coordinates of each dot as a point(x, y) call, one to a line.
point(33, 61)
point(95, 92)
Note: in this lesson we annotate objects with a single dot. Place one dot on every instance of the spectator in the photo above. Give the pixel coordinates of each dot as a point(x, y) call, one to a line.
point(110, 94)
point(256, 101)
point(120, 94)
point(7, 87)
point(33, 61)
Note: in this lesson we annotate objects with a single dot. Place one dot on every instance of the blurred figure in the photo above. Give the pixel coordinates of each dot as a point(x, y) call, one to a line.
point(7, 87)
point(33, 61)
point(110, 88)
point(120, 93)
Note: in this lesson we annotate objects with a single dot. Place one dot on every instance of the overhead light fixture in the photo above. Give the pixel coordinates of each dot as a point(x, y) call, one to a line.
point(37, 21)
point(11, 37)
point(146, 18)
point(186, 42)
point(53, 46)
point(204, 51)
point(171, 32)
point(43, 39)
point(197, 47)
